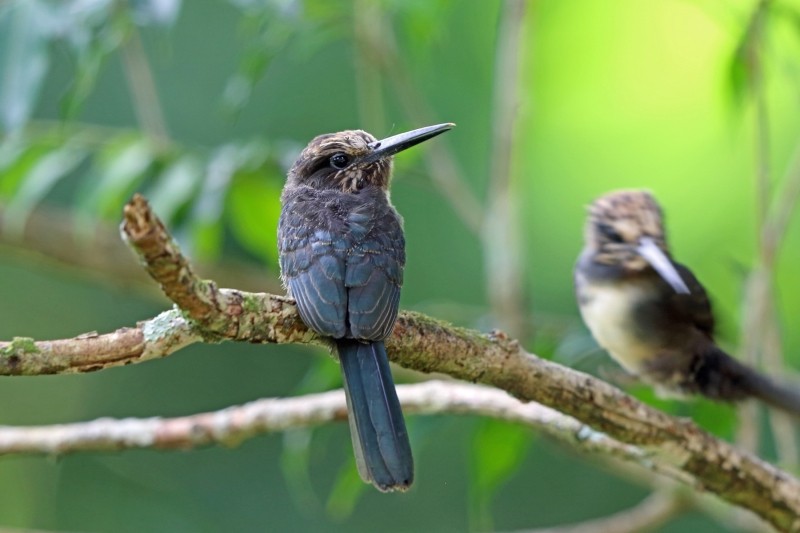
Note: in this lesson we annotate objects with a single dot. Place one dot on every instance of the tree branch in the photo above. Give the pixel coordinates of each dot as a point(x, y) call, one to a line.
point(234, 424)
point(143, 89)
point(653, 511)
point(443, 168)
point(50, 235)
point(421, 343)
point(501, 243)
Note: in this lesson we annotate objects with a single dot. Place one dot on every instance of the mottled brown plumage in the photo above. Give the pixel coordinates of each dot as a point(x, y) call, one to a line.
point(616, 220)
point(650, 313)
point(314, 169)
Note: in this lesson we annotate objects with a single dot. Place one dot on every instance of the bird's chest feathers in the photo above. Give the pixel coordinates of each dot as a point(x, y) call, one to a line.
point(609, 310)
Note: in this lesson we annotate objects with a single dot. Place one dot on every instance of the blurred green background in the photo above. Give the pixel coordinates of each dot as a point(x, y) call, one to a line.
point(202, 106)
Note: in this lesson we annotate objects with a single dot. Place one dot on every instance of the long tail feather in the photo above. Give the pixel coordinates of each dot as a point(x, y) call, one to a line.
point(723, 377)
point(775, 394)
point(380, 439)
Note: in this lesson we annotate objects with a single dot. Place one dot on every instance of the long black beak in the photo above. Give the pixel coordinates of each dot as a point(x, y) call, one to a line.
point(648, 249)
point(397, 143)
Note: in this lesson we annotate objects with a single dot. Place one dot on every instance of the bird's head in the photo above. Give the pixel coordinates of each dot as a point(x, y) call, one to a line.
point(626, 229)
point(352, 159)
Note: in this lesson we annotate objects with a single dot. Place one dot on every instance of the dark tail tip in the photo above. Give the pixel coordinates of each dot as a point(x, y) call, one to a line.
point(721, 377)
point(778, 395)
point(377, 427)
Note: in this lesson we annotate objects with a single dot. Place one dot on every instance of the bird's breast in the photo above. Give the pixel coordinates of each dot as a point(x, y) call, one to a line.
point(609, 310)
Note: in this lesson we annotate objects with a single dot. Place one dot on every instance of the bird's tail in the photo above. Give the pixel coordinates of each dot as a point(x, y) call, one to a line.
point(777, 395)
point(380, 439)
point(723, 377)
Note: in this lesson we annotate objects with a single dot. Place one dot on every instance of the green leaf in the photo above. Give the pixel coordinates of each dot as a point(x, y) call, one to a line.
point(266, 28)
point(721, 419)
point(346, 492)
point(175, 187)
point(253, 210)
point(323, 374)
point(420, 22)
point(89, 61)
point(207, 211)
point(24, 59)
point(227, 162)
point(17, 163)
point(42, 177)
point(92, 33)
point(746, 66)
point(295, 465)
point(498, 448)
point(11, 149)
point(156, 12)
point(119, 168)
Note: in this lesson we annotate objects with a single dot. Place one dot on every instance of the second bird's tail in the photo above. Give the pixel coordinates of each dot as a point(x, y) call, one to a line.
point(723, 377)
point(380, 439)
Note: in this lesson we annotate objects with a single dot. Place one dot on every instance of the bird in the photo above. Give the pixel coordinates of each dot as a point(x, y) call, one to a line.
point(652, 314)
point(342, 254)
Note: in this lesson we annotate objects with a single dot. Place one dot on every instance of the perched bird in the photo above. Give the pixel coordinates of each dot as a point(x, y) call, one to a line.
point(342, 254)
point(651, 314)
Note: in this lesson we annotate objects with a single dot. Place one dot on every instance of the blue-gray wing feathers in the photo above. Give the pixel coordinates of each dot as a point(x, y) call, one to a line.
point(343, 266)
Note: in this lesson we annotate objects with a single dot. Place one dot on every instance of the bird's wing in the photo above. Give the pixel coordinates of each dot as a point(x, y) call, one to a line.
point(312, 260)
point(695, 305)
point(374, 270)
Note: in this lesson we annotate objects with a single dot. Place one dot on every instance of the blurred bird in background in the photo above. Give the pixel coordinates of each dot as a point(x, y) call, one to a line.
point(651, 314)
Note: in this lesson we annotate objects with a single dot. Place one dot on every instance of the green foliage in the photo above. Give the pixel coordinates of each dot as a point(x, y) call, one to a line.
point(176, 186)
point(238, 184)
point(345, 493)
point(25, 28)
point(21, 159)
point(119, 169)
point(254, 207)
point(498, 449)
point(266, 27)
point(716, 418)
point(41, 177)
point(625, 94)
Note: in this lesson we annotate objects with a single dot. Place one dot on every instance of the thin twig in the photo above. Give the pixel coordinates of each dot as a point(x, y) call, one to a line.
point(143, 89)
point(367, 23)
point(502, 248)
point(235, 424)
point(761, 338)
point(784, 208)
point(652, 512)
point(772, 239)
point(757, 284)
point(50, 235)
point(442, 166)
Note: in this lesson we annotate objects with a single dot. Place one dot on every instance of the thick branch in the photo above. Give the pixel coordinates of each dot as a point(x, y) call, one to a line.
point(423, 344)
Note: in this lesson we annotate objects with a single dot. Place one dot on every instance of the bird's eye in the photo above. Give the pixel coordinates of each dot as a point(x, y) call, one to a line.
point(339, 160)
point(610, 233)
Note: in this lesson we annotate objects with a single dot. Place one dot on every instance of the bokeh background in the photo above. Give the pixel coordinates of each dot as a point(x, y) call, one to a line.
point(202, 105)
